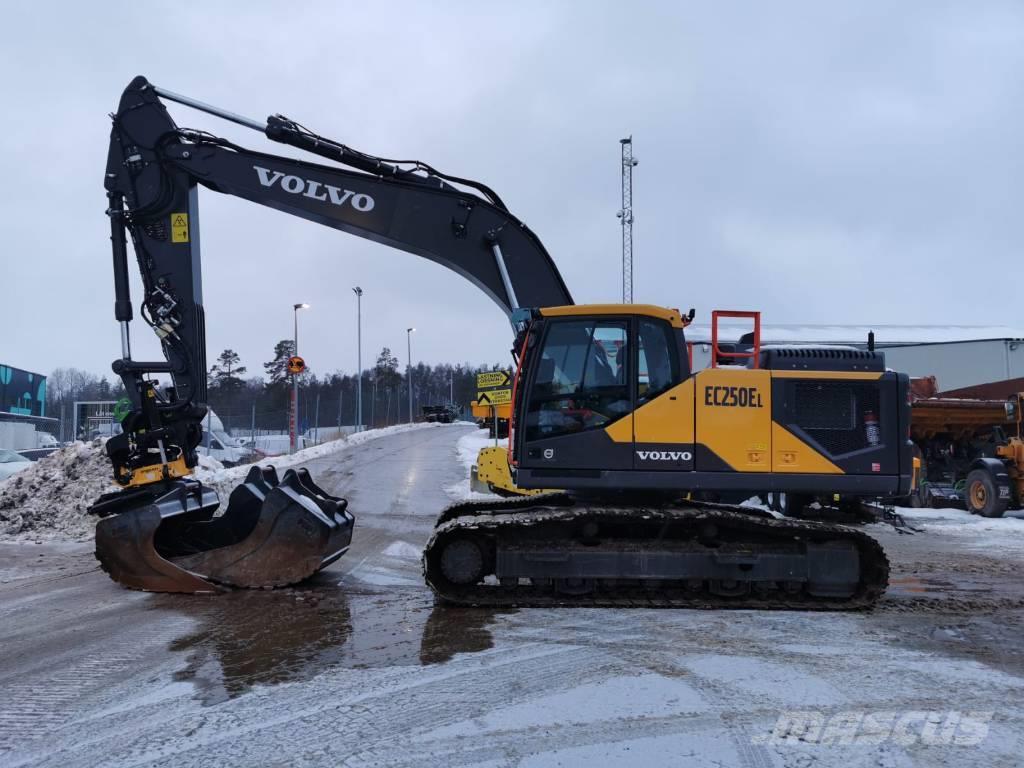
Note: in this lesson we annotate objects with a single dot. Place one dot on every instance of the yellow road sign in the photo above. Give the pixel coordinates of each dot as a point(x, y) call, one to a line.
point(296, 364)
point(493, 380)
point(494, 397)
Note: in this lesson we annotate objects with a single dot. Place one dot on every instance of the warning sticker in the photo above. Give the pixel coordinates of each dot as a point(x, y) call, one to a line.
point(179, 227)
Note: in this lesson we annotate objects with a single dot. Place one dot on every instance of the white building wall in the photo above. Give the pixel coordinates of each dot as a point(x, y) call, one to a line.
point(960, 364)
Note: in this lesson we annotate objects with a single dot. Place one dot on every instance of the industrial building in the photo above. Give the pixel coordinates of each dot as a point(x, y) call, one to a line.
point(23, 421)
point(966, 360)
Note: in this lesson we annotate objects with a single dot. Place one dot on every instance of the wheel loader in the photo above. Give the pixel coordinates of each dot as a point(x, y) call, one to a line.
point(605, 408)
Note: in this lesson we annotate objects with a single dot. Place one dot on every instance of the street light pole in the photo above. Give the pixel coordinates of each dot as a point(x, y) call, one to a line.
point(408, 368)
point(359, 354)
point(294, 426)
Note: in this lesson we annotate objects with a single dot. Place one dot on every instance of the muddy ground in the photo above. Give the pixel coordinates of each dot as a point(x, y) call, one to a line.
point(359, 667)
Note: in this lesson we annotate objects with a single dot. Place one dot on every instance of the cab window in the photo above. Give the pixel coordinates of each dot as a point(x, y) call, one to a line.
point(658, 357)
point(581, 382)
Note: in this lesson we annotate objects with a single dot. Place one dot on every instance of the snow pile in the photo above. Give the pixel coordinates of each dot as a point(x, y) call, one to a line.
point(403, 550)
point(467, 449)
point(469, 446)
point(50, 498)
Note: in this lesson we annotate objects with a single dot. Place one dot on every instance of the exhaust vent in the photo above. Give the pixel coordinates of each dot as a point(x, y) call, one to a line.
point(822, 359)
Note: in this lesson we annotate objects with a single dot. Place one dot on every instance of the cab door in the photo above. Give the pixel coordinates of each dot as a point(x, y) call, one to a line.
point(663, 422)
point(579, 394)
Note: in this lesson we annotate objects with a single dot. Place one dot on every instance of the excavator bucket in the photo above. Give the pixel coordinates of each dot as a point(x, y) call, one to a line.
point(273, 533)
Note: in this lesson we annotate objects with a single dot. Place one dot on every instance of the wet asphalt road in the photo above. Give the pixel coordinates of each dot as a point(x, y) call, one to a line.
point(359, 667)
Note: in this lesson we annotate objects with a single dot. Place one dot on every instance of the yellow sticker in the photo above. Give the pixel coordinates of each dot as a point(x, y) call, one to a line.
point(179, 227)
point(494, 397)
point(493, 379)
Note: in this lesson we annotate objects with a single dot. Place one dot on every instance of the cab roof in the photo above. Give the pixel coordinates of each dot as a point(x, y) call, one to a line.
point(672, 316)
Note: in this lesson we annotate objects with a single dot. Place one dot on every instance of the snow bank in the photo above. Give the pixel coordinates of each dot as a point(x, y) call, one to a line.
point(466, 449)
point(49, 499)
point(223, 479)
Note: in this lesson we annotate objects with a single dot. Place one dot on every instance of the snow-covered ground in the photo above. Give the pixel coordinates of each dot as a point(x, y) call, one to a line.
point(361, 667)
point(972, 532)
point(466, 449)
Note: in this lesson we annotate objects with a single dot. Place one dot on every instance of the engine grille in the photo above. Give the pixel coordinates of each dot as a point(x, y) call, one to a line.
point(832, 412)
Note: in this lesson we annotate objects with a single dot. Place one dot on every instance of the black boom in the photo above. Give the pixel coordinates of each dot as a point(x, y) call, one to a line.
point(153, 170)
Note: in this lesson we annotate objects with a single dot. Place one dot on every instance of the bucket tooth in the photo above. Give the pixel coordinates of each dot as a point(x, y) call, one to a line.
point(273, 533)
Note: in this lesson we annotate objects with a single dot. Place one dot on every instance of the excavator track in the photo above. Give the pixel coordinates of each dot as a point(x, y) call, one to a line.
point(553, 550)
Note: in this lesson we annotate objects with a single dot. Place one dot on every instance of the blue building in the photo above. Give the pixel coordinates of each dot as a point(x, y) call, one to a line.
point(22, 393)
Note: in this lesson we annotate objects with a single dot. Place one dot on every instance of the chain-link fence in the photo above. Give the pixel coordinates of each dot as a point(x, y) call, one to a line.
point(237, 429)
point(267, 433)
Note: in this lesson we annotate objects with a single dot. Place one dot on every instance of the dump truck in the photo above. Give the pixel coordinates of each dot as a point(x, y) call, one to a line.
point(970, 451)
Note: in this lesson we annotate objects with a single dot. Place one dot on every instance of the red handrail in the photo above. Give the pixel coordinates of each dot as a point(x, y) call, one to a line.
point(754, 354)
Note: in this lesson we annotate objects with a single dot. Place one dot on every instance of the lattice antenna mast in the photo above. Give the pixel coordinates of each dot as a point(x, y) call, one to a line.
point(626, 218)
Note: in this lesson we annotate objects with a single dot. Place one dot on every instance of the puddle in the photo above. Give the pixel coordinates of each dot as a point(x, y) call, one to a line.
point(254, 638)
point(915, 586)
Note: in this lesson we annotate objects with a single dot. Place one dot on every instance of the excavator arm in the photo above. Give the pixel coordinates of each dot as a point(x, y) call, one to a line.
point(154, 169)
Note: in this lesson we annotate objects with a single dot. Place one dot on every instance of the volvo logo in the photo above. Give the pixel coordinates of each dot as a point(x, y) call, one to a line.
point(296, 185)
point(665, 455)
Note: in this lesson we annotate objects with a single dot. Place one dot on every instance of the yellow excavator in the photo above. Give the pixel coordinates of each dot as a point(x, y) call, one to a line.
point(605, 407)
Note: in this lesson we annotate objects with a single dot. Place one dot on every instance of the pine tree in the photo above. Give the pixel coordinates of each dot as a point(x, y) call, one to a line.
point(277, 369)
point(226, 373)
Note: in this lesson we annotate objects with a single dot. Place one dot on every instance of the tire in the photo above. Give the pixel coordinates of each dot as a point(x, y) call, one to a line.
point(981, 493)
point(793, 504)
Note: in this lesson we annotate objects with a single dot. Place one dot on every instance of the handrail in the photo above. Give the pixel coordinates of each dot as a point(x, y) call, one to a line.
point(754, 354)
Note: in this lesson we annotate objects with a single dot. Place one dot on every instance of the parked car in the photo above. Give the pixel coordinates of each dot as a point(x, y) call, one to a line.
point(12, 462)
point(223, 448)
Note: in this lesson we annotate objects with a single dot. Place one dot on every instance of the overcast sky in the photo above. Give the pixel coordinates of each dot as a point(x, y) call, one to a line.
point(825, 163)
